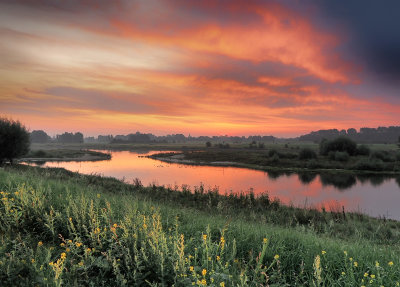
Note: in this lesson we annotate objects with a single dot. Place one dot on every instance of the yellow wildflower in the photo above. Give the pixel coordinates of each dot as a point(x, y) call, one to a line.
point(204, 237)
point(33, 260)
point(345, 253)
point(218, 258)
point(80, 263)
point(191, 268)
point(78, 244)
point(376, 263)
point(222, 284)
point(355, 263)
point(204, 282)
point(365, 274)
point(323, 252)
point(222, 240)
point(63, 255)
point(40, 243)
point(88, 250)
point(98, 195)
point(62, 244)
point(373, 276)
point(276, 257)
point(390, 263)
point(343, 273)
point(204, 272)
point(67, 249)
point(351, 259)
point(265, 240)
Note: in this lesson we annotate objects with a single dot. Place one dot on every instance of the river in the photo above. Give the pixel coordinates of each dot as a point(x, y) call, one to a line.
point(376, 196)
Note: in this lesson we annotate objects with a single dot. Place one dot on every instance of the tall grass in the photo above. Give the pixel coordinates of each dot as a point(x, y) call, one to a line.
point(61, 231)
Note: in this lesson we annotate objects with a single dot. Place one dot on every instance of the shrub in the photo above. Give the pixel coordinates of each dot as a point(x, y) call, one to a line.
point(339, 144)
point(208, 144)
point(368, 164)
point(363, 150)
point(341, 156)
point(14, 140)
point(398, 156)
point(307, 153)
point(382, 155)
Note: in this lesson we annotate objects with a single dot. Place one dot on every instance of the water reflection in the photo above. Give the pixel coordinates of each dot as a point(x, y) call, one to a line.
point(359, 193)
point(340, 181)
point(307, 177)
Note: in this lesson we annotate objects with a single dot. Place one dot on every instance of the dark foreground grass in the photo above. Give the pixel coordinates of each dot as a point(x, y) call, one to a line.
point(61, 228)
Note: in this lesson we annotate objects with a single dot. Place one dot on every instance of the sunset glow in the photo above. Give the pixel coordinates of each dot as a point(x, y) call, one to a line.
point(198, 67)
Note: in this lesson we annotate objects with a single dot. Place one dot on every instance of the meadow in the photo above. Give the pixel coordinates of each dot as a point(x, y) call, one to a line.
point(60, 228)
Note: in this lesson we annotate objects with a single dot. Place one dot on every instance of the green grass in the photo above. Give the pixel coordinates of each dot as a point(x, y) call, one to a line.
point(62, 228)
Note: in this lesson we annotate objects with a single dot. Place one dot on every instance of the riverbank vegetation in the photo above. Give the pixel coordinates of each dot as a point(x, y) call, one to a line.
point(337, 154)
point(60, 228)
point(62, 154)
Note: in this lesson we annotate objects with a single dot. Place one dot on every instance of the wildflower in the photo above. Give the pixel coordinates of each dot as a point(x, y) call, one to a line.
point(236, 260)
point(204, 237)
point(69, 241)
point(343, 273)
point(78, 244)
point(376, 263)
point(51, 263)
point(222, 284)
point(33, 260)
point(345, 253)
point(276, 257)
point(63, 255)
point(67, 249)
point(265, 240)
point(40, 243)
point(80, 263)
point(70, 219)
point(209, 258)
point(365, 274)
point(144, 226)
point(98, 195)
point(323, 252)
point(390, 263)
point(373, 276)
point(222, 240)
point(355, 264)
point(191, 268)
point(62, 244)
point(115, 225)
point(204, 272)
point(204, 282)
point(351, 259)
point(218, 258)
point(88, 250)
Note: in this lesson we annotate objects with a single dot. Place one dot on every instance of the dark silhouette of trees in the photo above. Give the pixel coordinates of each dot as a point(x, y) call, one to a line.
point(14, 140)
point(39, 136)
point(341, 144)
point(307, 153)
point(70, 138)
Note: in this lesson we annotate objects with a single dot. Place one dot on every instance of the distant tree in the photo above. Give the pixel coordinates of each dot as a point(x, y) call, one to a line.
point(39, 136)
point(14, 140)
point(342, 144)
point(307, 153)
point(208, 144)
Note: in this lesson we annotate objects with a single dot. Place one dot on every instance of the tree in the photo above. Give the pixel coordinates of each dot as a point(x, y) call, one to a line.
point(39, 137)
point(14, 140)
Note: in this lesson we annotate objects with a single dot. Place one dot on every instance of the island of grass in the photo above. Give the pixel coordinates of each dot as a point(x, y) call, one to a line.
point(45, 153)
point(338, 155)
point(60, 228)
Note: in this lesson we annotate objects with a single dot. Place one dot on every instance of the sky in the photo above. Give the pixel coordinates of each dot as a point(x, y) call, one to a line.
point(281, 68)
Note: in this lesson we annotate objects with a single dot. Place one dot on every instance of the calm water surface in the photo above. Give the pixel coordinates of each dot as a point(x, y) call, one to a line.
point(377, 196)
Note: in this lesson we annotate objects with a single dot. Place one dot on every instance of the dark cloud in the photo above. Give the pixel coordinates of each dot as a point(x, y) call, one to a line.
point(373, 28)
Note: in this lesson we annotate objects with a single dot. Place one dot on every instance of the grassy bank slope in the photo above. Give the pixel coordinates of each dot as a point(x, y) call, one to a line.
point(61, 228)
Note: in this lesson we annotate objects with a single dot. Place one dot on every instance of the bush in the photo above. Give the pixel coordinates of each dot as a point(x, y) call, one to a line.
point(363, 150)
point(14, 140)
point(382, 155)
point(307, 153)
point(368, 164)
point(342, 144)
point(208, 144)
point(341, 156)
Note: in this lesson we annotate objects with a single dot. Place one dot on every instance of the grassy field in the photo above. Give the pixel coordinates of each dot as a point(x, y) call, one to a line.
point(60, 228)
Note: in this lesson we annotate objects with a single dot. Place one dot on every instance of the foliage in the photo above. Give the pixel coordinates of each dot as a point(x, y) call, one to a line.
point(39, 136)
point(342, 144)
point(65, 233)
point(14, 140)
point(307, 153)
point(341, 156)
point(363, 150)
